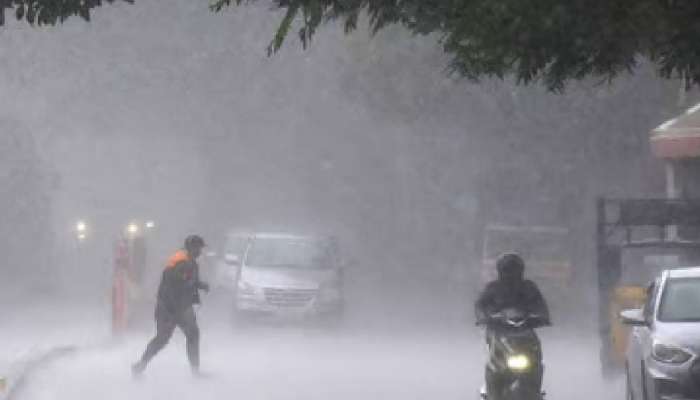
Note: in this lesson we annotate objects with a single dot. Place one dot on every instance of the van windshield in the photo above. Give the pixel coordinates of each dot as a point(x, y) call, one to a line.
point(289, 253)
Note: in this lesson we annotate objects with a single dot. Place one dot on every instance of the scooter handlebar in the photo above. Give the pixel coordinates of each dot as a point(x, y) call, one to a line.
point(532, 320)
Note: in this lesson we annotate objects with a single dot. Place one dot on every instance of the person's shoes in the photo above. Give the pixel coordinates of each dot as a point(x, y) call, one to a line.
point(137, 369)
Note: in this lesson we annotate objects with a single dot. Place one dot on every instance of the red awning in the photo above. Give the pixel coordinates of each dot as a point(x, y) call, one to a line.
point(679, 137)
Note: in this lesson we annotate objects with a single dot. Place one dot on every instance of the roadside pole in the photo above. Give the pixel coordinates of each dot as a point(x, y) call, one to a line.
point(119, 289)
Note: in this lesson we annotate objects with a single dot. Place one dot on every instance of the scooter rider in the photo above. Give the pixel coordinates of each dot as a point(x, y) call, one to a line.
point(178, 292)
point(510, 291)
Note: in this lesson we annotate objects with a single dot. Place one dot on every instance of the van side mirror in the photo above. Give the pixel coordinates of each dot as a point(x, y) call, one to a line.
point(232, 260)
point(633, 317)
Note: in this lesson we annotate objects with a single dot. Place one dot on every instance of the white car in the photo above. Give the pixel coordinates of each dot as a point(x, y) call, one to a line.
point(663, 356)
point(288, 275)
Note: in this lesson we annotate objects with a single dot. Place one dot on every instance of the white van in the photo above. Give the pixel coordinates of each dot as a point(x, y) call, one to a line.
point(288, 275)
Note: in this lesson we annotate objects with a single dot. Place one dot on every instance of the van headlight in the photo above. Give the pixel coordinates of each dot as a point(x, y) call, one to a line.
point(518, 362)
point(329, 293)
point(246, 289)
point(669, 353)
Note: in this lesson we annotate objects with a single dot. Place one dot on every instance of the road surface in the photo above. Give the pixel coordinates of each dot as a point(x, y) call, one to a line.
point(290, 362)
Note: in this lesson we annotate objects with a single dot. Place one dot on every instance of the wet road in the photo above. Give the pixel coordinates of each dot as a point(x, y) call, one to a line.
point(288, 362)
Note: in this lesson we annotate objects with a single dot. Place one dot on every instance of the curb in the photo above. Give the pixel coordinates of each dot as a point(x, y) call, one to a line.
point(11, 384)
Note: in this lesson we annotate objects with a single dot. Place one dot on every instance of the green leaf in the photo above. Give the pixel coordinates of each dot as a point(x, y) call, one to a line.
point(283, 29)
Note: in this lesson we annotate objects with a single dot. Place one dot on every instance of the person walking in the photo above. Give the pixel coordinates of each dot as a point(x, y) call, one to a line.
point(177, 294)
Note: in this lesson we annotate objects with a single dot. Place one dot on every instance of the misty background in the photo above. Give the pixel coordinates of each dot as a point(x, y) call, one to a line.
point(165, 111)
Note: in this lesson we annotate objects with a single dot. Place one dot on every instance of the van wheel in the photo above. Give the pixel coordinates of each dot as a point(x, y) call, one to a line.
point(332, 320)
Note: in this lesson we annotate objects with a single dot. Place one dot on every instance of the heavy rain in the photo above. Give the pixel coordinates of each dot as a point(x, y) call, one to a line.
point(354, 192)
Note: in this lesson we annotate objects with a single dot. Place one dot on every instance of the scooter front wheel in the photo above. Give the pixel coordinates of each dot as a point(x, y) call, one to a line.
point(521, 392)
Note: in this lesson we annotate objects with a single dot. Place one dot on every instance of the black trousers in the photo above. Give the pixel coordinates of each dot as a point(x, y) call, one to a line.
point(166, 322)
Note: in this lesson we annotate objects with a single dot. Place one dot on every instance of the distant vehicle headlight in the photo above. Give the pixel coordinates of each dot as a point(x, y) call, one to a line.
point(669, 353)
point(518, 362)
point(132, 228)
point(81, 226)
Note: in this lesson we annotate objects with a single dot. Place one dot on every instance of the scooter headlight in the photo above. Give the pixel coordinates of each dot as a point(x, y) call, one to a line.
point(518, 362)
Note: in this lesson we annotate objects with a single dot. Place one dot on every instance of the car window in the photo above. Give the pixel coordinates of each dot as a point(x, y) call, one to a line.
point(680, 301)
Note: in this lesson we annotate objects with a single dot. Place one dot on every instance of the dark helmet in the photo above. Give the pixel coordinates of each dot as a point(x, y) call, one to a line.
point(194, 242)
point(510, 266)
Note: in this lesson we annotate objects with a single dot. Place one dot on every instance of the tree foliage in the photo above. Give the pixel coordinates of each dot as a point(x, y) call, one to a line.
point(547, 41)
point(49, 12)
point(551, 41)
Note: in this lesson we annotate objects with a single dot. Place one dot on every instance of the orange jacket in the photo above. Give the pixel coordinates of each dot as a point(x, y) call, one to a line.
point(180, 282)
point(178, 257)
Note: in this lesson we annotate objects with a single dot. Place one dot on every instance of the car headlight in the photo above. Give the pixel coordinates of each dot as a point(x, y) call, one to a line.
point(518, 362)
point(669, 353)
